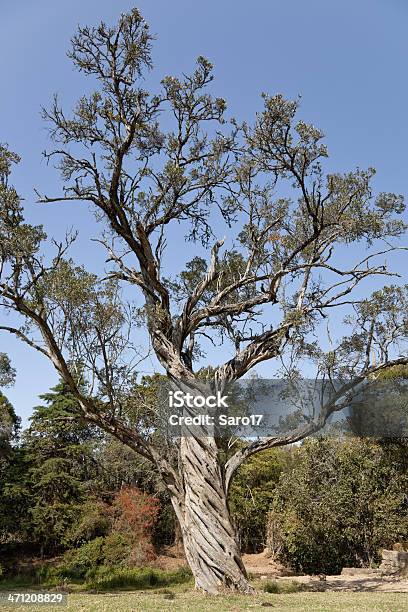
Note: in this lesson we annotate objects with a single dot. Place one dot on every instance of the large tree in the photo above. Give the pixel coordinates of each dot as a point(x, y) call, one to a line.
point(151, 167)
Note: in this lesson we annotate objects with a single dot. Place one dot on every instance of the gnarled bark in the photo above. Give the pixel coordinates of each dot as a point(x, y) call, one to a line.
point(201, 507)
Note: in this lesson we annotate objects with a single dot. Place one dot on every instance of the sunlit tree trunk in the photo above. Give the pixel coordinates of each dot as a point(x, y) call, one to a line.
point(209, 539)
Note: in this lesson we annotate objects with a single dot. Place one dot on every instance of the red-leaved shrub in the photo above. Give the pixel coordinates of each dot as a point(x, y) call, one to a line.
point(135, 514)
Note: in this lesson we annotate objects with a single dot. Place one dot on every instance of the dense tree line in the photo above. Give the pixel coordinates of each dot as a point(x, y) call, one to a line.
point(68, 490)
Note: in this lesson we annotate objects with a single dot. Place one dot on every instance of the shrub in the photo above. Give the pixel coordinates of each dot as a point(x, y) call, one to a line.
point(342, 503)
point(77, 563)
point(98, 556)
point(116, 550)
point(135, 514)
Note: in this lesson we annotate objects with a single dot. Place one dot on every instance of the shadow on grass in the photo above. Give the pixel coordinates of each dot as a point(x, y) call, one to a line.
point(101, 579)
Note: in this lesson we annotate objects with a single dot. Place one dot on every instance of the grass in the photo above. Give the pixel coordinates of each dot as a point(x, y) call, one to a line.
point(11, 584)
point(145, 589)
point(142, 578)
point(101, 579)
point(273, 586)
point(182, 598)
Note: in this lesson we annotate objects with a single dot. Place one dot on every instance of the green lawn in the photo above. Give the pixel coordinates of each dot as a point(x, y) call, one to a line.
point(181, 599)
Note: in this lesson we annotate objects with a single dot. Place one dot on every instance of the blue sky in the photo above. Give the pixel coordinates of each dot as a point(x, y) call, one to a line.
point(347, 59)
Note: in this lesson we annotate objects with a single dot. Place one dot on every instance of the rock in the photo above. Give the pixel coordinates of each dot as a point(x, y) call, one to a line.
point(360, 571)
point(394, 560)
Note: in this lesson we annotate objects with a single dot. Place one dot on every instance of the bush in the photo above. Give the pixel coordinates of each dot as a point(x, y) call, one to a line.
point(100, 555)
point(340, 505)
point(77, 563)
point(271, 586)
point(134, 516)
point(116, 550)
point(135, 512)
point(129, 544)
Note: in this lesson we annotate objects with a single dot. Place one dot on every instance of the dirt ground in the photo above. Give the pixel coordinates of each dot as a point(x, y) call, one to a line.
point(261, 566)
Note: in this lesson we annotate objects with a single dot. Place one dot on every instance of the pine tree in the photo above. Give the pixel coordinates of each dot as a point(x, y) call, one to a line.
point(60, 468)
point(9, 469)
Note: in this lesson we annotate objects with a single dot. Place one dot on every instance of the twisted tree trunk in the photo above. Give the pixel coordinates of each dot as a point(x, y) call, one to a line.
point(209, 538)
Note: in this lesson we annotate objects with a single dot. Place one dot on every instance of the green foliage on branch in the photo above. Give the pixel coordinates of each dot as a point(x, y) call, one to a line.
point(251, 495)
